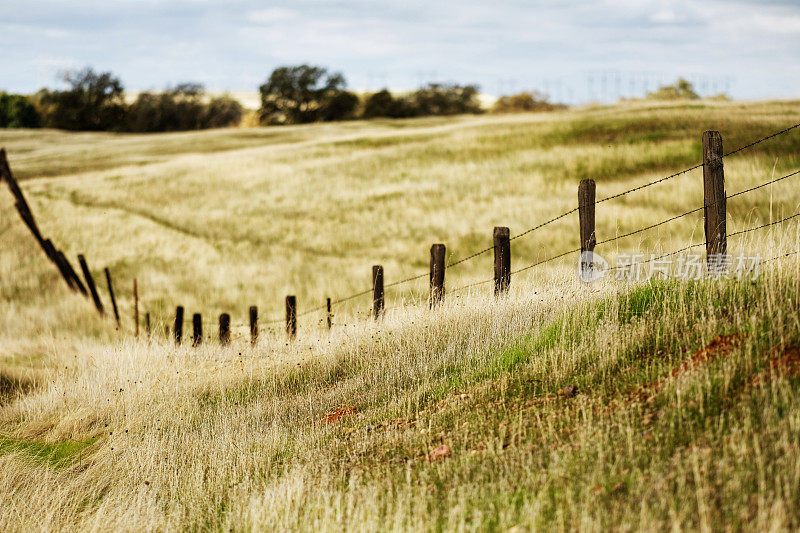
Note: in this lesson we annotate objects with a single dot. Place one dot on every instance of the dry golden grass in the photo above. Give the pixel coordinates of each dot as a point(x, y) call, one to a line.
point(99, 432)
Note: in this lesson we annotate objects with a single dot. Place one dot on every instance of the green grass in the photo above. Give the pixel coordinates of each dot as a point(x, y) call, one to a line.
point(670, 426)
point(55, 454)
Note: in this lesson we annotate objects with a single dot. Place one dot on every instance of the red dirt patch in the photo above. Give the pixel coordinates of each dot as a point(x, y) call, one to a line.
point(442, 452)
point(784, 362)
point(720, 346)
point(331, 417)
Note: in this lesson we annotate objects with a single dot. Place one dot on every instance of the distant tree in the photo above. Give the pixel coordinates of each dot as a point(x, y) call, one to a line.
point(302, 94)
point(446, 99)
point(338, 105)
point(524, 102)
point(94, 101)
point(182, 108)
point(223, 112)
point(680, 90)
point(384, 104)
point(17, 111)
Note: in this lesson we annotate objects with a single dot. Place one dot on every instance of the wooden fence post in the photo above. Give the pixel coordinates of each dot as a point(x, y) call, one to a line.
point(90, 283)
point(377, 291)
point(147, 323)
point(330, 313)
point(253, 325)
point(586, 201)
point(437, 275)
point(72, 274)
point(225, 328)
point(178, 329)
point(197, 329)
point(52, 254)
point(291, 316)
point(111, 295)
point(714, 201)
point(502, 259)
point(135, 308)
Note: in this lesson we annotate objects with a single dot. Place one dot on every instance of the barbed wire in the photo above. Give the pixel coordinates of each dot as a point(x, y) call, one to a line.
point(634, 189)
point(565, 214)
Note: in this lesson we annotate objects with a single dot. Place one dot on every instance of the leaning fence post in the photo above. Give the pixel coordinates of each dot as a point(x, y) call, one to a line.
point(72, 274)
point(437, 274)
point(253, 325)
point(225, 328)
point(197, 329)
point(90, 283)
point(291, 316)
point(178, 329)
point(502, 259)
point(586, 201)
point(377, 291)
point(329, 312)
point(714, 200)
point(147, 324)
point(135, 308)
point(111, 295)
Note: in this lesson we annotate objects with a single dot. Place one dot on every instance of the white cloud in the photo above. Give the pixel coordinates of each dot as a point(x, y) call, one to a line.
point(664, 16)
point(780, 24)
point(271, 15)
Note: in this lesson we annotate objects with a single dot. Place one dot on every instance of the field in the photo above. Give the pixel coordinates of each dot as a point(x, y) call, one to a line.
point(663, 404)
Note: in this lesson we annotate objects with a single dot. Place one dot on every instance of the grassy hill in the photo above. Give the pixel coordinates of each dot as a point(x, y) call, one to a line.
point(664, 404)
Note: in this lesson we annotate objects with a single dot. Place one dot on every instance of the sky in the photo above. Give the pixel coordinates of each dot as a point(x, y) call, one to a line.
point(574, 50)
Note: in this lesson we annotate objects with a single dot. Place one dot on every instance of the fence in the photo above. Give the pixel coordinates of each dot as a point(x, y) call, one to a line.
point(714, 210)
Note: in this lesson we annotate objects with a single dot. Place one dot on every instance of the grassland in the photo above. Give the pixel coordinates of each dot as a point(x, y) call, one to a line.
point(684, 408)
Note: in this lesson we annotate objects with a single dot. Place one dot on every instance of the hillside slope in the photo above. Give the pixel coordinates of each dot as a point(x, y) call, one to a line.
point(660, 404)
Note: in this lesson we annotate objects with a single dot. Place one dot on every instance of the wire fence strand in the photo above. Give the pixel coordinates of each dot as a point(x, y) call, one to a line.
point(574, 210)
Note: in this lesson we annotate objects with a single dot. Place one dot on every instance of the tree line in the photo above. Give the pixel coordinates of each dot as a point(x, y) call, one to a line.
point(95, 101)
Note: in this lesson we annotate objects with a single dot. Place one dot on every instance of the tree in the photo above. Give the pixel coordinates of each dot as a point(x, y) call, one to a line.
point(384, 104)
point(181, 108)
point(93, 101)
point(681, 90)
point(17, 111)
point(223, 112)
point(440, 99)
point(302, 94)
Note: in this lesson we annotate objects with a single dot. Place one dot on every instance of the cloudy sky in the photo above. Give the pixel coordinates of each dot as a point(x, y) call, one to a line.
point(575, 50)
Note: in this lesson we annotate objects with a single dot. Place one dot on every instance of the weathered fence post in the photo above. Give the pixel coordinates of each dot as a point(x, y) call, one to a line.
point(147, 324)
point(178, 329)
point(135, 308)
point(377, 291)
point(225, 328)
point(291, 316)
point(111, 295)
point(714, 201)
point(437, 274)
point(329, 312)
point(586, 201)
point(253, 325)
point(90, 283)
point(502, 259)
point(197, 329)
point(72, 274)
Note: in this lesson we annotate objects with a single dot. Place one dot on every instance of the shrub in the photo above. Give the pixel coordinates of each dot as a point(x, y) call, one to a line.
point(17, 111)
point(181, 108)
point(524, 102)
point(681, 90)
point(443, 99)
point(384, 104)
